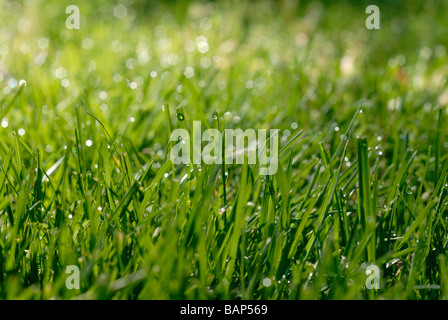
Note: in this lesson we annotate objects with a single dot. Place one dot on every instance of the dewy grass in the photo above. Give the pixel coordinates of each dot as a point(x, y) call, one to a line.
point(91, 207)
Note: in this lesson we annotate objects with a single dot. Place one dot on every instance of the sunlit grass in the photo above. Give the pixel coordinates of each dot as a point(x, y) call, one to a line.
point(85, 178)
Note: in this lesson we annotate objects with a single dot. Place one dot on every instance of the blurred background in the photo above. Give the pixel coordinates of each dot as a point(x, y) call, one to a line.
point(278, 64)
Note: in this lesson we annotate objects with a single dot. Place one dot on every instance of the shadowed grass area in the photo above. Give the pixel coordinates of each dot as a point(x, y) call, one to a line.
point(86, 179)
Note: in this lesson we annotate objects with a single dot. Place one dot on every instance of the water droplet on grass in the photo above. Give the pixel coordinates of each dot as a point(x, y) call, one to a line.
point(12, 83)
point(189, 72)
point(180, 116)
point(267, 282)
point(103, 95)
point(227, 116)
point(60, 73)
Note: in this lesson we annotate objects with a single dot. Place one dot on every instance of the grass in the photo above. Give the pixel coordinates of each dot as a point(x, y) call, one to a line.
point(86, 179)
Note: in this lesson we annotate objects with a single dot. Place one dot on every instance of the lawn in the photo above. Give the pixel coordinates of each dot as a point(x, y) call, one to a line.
point(87, 183)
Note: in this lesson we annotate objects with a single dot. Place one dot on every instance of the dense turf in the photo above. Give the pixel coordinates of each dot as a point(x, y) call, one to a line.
point(85, 178)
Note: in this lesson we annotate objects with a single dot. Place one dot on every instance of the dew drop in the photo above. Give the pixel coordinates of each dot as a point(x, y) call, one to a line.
point(103, 95)
point(267, 282)
point(12, 83)
point(227, 116)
